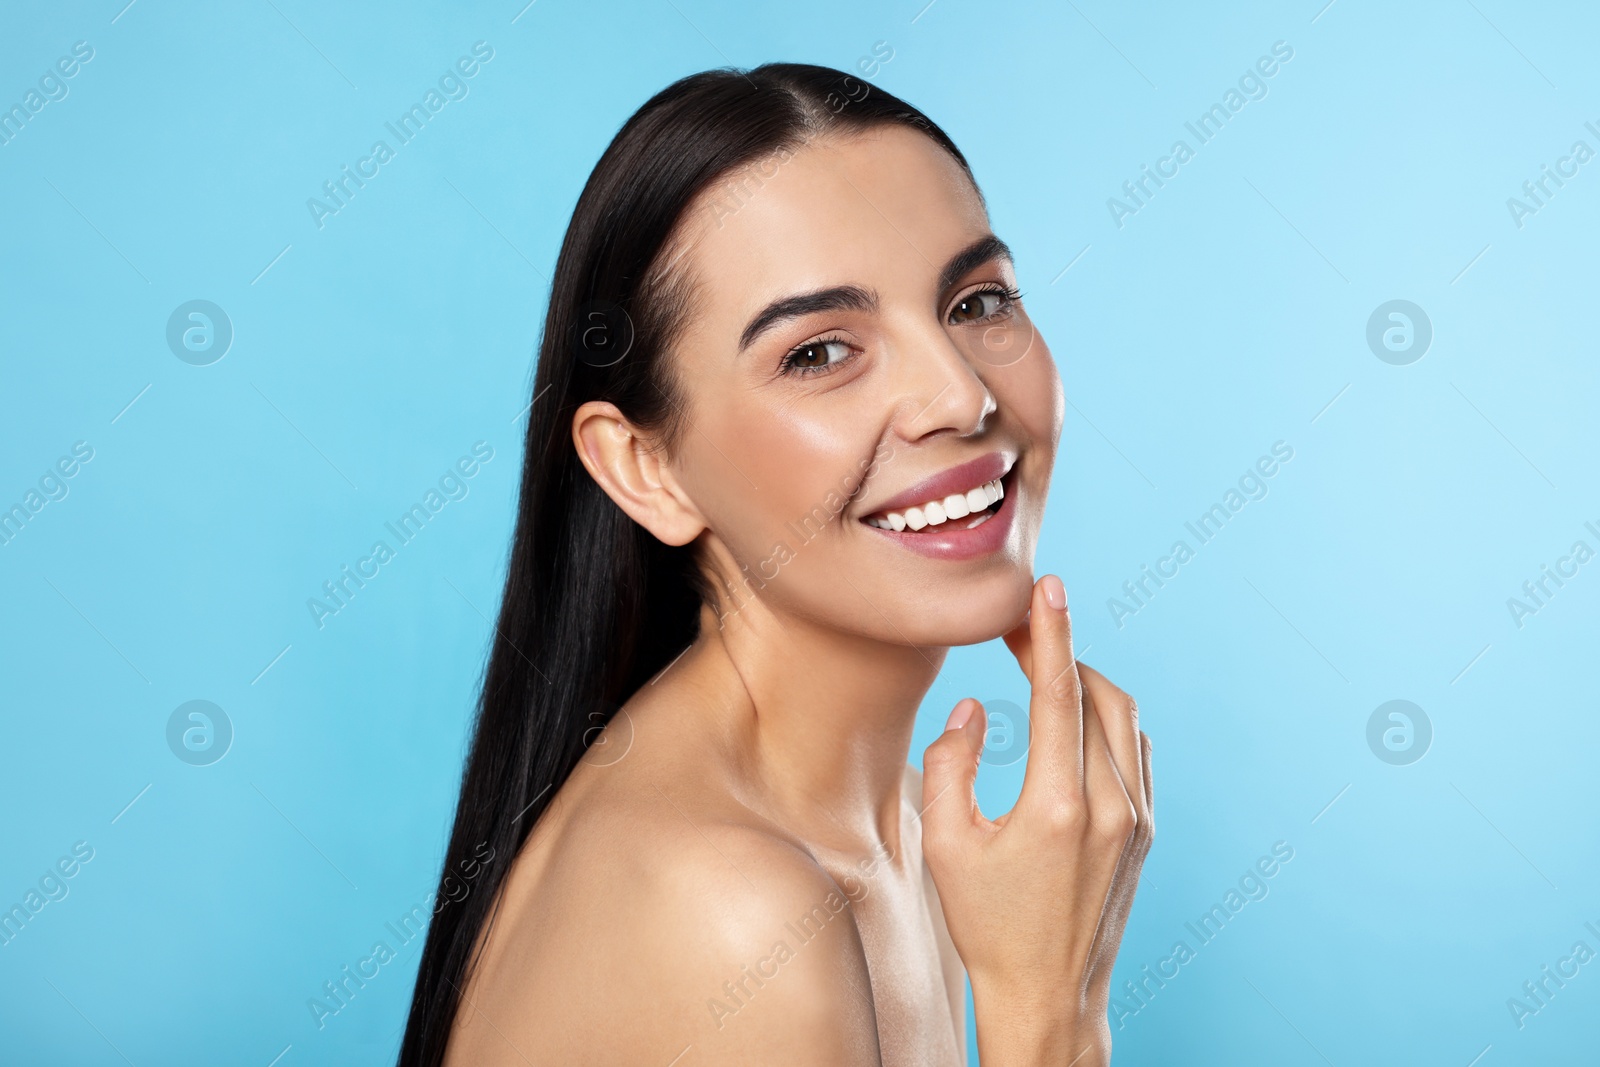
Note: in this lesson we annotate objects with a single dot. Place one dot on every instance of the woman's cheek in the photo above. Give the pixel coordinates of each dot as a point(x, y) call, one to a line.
point(1058, 398)
point(1030, 390)
point(1043, 401)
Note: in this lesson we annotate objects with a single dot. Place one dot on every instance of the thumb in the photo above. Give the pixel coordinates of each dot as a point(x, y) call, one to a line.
point(950, 812)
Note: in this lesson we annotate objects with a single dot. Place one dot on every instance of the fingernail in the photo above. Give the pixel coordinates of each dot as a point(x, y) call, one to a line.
point(959, 717)
point(1055, 594)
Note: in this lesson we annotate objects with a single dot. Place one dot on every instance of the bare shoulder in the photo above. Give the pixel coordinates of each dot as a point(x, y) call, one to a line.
point(655, 919)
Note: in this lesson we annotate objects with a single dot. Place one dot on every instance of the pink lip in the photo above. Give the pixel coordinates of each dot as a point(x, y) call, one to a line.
point(947, 541)
point(967, 476)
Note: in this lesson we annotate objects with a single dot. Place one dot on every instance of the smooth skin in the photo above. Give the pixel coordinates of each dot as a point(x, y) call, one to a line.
point(744, 868)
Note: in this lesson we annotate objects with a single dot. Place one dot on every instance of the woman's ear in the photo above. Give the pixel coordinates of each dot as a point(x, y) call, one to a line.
point(622, 460)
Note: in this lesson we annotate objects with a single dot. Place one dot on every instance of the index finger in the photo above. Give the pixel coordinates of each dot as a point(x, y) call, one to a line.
point(1055, 708)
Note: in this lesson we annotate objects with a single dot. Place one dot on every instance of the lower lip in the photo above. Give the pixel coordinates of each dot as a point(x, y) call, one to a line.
point(949, 541)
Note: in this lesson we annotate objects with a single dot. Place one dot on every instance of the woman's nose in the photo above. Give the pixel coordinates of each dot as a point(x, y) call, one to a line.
point(940, 388)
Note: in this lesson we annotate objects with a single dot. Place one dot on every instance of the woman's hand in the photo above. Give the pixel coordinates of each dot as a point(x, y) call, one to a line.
point(1036, 900)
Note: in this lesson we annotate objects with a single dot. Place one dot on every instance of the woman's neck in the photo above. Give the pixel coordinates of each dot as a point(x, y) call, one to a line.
point(817, 722)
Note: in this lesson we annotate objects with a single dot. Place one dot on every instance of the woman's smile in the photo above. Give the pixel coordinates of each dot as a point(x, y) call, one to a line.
point(961, 513)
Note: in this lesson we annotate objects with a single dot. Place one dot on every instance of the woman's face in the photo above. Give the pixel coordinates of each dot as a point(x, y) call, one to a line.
point(852, 356)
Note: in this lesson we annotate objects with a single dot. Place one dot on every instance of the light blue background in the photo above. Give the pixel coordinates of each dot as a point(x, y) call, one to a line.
point(1228, 314)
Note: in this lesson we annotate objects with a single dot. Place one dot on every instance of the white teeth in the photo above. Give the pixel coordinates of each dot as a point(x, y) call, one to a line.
point(936, 512)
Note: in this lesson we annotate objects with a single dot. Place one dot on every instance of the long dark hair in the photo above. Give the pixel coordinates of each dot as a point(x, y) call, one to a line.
point(594, 606)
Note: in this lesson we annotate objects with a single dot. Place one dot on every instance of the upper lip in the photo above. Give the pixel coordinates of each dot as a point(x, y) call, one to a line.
point(958, 479)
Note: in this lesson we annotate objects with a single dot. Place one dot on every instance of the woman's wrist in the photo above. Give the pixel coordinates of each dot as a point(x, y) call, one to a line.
point(1033, 1031)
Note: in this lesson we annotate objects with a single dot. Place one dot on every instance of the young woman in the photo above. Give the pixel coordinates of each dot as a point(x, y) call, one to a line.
point(791, 437)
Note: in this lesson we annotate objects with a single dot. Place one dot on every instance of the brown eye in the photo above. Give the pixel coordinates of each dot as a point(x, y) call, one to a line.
point(816, 356)
point(976, 306)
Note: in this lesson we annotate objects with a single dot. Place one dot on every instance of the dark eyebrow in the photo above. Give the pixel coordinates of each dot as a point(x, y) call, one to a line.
point(979, 252)
point(838, 298)
point(854, 298)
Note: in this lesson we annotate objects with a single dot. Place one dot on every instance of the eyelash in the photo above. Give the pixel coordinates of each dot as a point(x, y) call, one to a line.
point(789, 366)
point(1009, 295)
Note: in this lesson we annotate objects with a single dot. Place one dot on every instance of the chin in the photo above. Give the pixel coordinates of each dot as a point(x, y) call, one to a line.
point(982, 611)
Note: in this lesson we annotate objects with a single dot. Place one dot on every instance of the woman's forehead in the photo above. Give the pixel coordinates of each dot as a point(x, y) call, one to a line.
point(888, 199)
